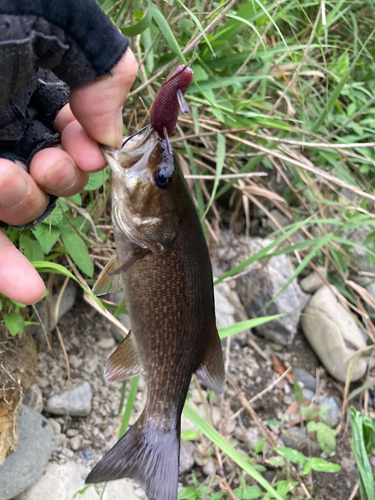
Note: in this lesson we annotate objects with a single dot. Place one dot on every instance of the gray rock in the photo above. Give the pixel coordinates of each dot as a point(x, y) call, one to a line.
point(72, 433)
point(296, 438)
point(224, 310)
point(56, 426)
point(253, 436)
point(23, 467)
point(92, 364)
point(34, 398)
point(313, 281)
point(333, 334)
point(308, 381)
point(186, 456)
point(59, 441)
point(262, 283)
point(66, 304)
point(333, 414)
point(75, 442)
point(62, 482)
point(209, 466)
point(76, 402)
point(358, 236)
point(106, 343)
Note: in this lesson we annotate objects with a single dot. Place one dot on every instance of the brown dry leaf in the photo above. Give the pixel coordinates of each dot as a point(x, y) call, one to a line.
point(279, 367)
point(292, 416)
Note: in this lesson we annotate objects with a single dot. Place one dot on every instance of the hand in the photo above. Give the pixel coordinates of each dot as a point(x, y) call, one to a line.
point(93, 115)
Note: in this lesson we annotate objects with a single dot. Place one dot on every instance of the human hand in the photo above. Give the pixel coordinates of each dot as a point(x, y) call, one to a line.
point(93, 115)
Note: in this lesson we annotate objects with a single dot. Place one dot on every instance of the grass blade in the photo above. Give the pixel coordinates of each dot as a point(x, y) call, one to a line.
point(167, 33)
point(129, 406)
point(246, 325)
point(220, 157)
point(227, 448)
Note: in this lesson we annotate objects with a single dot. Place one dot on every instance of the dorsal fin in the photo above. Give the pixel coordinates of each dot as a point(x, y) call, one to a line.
point(212, 371)
point(123, 363)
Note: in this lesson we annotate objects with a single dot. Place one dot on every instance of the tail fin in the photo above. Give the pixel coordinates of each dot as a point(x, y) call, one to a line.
point(149, 455)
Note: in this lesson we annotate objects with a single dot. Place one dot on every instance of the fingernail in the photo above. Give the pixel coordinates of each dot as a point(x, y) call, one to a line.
point(13, 187)
point(60, 177)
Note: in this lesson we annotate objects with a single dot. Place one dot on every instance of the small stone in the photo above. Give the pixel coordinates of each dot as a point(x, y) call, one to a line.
point(67, 453)
point(209, 467)
point(76, 402)
point(23, 467)
point(186, 456)
point(72, 433)
point(253, 436)
point(333, 414)
point(42, 382)
point(92, 364)
point(313, 281)
point(55, 426)
point(106, 343)
point(216, 416)
point(34, 398)
point(308, 381)
point(198, 457)
point(307, 394)
point(87, 454)
point(59, 440)
point(74, 361)
point(75, 442)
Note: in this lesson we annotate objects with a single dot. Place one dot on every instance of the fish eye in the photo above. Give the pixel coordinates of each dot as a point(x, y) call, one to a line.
point(162, 179)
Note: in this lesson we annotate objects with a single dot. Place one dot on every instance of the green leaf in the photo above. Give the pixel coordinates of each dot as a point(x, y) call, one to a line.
point(47, 237)
point(141, 26)
point(366, 482)
point(97, 179)
point(320, 465)
point(77, 249)
point(188, 493)
point(227, 448)
point(293, 455)
point(55, 218)
point(167, 33)
point(258, 447)
point(245, 325)
point(277, 461)
point(247, 493)
point(189, 436)
point(325, 435)
point(31, 249)
point(14, 323)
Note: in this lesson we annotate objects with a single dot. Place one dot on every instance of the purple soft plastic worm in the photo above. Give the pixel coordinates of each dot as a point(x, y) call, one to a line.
point(166, 108)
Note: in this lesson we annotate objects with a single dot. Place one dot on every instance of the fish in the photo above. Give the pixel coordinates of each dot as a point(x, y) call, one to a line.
point(164, 267)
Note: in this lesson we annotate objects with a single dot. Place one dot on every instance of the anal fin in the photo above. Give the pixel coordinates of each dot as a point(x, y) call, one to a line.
point(123, 363)
point(212, 371)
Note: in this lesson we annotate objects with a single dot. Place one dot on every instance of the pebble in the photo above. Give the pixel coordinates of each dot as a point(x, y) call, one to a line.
point(59, 441)
point(56, 426)
point(34, 398)
point(23, 467)
point(253, 436)
point(92, 364)
point(75, 442)
point(72, 432)
point(62, 482)
point(87, 454)
point(106, 343)
point(74, 361)
point(76, 402)
point(186, 456)
point(209, 467)
point(333, 414)
point(303, 377)
point(313, 282)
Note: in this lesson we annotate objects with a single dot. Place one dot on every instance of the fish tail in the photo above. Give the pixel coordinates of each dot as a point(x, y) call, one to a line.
point(148, 453)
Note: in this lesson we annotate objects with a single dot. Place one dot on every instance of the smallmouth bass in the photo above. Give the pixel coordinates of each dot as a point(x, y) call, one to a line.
point(165, 269)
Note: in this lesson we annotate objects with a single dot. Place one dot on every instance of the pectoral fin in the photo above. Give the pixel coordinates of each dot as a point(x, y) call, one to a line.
point(123, 363)
point(109, 279)
point(108, 282)
point(212, 371)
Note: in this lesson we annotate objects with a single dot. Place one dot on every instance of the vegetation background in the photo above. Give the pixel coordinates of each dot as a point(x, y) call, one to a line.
point(285, 88)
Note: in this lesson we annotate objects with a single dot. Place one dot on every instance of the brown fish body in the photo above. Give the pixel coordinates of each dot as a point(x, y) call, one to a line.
point(167, 282)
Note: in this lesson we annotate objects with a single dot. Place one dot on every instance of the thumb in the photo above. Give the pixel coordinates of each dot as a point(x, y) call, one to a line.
point(98, 105)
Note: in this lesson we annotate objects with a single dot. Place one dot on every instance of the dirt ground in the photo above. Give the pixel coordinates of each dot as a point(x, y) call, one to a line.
point(249, 368)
